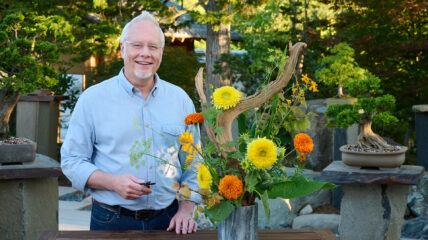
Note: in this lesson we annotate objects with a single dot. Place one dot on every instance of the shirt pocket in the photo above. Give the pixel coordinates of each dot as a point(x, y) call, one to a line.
point(171, 134)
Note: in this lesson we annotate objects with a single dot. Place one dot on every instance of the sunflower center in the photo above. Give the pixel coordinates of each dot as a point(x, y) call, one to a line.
point(263, 153)
point(226, 95)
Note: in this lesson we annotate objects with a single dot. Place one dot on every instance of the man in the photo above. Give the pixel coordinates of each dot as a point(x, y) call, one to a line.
point(109, 119)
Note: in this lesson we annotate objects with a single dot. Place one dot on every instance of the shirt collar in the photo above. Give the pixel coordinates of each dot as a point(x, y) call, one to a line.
point(130, 89)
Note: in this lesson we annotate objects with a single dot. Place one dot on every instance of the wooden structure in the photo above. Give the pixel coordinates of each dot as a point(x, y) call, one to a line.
point(282, 234)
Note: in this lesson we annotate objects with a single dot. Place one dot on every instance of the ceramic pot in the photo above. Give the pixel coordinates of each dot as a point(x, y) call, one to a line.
point(18, 153)
point(241, 224)
point(381, 160)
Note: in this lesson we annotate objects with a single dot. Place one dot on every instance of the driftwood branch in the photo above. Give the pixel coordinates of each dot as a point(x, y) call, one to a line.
point(226, 119)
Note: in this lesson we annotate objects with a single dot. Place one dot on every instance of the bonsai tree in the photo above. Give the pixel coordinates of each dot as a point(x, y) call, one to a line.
point(339, 68)
point(27, 52)
point(364, 111)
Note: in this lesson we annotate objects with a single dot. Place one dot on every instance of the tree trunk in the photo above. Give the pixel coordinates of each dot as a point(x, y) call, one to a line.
point(7, 104)
point(340, 91)
point(368, 139)
point(218, 42)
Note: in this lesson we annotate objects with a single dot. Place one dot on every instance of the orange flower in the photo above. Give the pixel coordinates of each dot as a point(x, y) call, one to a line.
point(301, 157)
point(303, 143)
point(230, 187)
point(194, 118)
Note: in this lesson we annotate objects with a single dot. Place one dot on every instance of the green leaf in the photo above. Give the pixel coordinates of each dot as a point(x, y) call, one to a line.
point(302, 124)
point(251, 181)
point(297, 186)
point(219, 212)
point(265, 198)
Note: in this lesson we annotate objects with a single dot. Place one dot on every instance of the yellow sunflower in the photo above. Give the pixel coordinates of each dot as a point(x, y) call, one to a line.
point(226, 97)
point(204, 176)
point(262, 153)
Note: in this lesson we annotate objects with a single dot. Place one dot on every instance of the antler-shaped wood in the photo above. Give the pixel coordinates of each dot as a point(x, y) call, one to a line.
point(226, 119)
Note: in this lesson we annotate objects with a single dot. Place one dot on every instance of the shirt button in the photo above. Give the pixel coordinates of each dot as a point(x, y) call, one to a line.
point(147, 125)
point(150, 167)
point(145, 105)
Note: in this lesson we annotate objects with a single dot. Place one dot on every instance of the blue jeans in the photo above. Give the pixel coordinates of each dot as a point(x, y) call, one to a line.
point(105, 219)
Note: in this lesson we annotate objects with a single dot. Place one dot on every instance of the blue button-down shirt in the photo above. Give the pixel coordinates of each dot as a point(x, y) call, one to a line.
point(108, 120)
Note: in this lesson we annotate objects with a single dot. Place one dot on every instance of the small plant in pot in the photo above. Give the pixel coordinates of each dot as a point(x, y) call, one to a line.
point(372, 150)
point(27, 53)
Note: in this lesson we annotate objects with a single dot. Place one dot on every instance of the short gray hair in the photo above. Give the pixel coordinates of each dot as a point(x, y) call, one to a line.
point(145, 16)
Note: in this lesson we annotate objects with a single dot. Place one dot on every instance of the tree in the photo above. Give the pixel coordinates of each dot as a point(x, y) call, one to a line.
point(339, 68)
point(27, 53)
point(391, 40)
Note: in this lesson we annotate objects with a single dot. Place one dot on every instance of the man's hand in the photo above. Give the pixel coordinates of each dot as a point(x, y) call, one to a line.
point(128, 187)
point(182, 220)
point(125, 185)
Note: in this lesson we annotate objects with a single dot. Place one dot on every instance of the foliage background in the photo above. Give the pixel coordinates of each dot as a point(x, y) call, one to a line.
point(389, 38)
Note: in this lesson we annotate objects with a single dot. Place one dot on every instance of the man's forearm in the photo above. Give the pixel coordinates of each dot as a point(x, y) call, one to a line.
point(101, 180)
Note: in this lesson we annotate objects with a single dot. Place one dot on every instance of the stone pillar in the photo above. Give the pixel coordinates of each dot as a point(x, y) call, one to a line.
point(421, 124)
point(374, 201)
point(37, 118)
point(29, 199)
point(342, 136)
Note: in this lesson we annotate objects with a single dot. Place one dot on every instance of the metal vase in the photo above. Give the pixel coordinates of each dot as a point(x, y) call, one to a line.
point(241, 224)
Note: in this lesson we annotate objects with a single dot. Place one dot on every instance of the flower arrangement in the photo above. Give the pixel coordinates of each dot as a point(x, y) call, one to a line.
point(233, 173)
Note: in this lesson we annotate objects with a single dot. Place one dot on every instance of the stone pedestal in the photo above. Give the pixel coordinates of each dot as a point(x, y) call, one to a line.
point(29, 199)
point(37, 118)
point(421, 124)
point(374, 201)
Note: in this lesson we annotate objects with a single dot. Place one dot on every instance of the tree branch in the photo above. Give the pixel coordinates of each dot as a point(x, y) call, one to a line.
point(226, 119)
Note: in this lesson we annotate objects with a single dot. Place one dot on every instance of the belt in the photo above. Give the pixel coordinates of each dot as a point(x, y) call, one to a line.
point(144, 214)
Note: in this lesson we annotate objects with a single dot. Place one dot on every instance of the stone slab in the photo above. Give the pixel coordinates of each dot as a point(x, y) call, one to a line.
point(420, 108)
point(37, 98)
point(42, 166)
point(337, 172)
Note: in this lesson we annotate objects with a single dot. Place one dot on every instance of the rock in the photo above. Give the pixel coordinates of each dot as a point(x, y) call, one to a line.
point(322, 153)
point(417, 199)
point(203, 222)
point(415, 228)
point(306, 210)
point(317, 221)
point(280, 214)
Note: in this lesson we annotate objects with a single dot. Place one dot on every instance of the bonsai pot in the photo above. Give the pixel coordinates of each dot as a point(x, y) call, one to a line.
point(381, 160)
point(19, 150)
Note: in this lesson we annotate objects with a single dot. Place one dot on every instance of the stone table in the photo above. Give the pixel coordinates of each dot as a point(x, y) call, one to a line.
point(29, 198)
point(374, 201)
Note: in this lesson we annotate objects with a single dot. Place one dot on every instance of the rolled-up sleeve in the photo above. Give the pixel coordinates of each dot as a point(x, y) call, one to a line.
point(76, 151)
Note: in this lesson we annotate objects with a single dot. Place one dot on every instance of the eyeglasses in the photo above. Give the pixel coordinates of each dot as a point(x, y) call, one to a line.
point(139, 46)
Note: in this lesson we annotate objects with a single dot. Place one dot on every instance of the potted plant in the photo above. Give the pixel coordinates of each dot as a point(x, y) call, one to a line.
point(372, 150)
point(26, 57)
